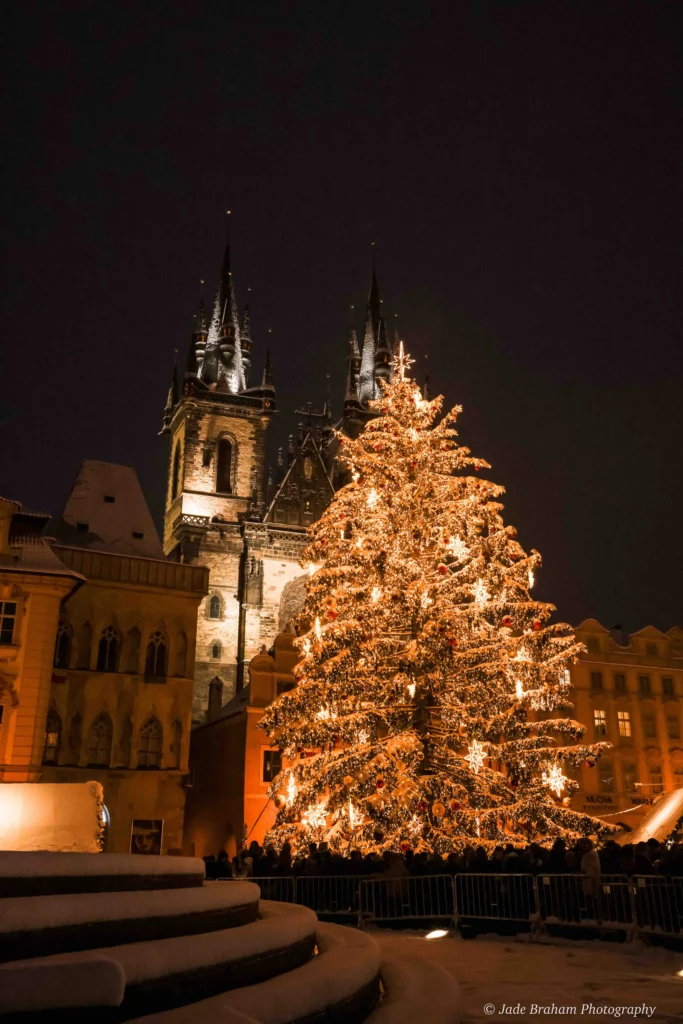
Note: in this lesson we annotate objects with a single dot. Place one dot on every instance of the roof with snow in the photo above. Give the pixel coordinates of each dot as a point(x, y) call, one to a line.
point(106, 510)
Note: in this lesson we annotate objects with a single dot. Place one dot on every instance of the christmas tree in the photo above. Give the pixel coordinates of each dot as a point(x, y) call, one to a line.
point(428, 673)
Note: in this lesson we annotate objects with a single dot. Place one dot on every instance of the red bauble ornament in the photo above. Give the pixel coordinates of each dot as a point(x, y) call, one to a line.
point(452, 642)
point(377, 447)
point(512, 532)
point(405, 846)
point(443, 569)
point(591, 761)
point(332, 615)
point(423, 805)
point(380, 783)
point(507, 620)
point(454, 805)
point(476, 469)
point(536, 623)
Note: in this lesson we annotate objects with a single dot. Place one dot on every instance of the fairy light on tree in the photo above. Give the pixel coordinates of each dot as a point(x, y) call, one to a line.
point(427, 668)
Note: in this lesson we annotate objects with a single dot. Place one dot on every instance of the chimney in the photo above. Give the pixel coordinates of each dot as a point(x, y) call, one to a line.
point(215, 699)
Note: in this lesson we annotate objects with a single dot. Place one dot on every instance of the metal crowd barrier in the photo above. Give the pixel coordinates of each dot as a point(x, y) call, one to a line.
point(329, 894)
point(658, 905)
point(579, 900)
point(495, 897)
point(400, 899)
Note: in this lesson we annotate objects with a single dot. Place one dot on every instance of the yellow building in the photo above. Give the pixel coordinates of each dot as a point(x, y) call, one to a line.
point(627, 689)
point(100, 659)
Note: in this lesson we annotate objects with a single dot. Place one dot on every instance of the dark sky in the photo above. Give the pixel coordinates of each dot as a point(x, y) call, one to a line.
point(518, 166)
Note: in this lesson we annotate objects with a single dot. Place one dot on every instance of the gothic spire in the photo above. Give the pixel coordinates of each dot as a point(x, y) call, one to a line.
point(223, 364)
point(267, 380)
point(371, 330)
point(245, 339)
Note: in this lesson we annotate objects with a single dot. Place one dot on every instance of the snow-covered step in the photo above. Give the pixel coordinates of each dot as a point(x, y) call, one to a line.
point(417, 989)
point(43, 874)
point(172, 972)
point(341, 984)
point(32, 926)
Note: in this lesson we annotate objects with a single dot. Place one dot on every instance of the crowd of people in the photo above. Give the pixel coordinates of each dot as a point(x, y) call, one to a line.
point(581, 857)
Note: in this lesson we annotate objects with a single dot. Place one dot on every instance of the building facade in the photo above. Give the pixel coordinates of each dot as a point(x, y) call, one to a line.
point(104, 660)
point(225, 508)
point(627, 690)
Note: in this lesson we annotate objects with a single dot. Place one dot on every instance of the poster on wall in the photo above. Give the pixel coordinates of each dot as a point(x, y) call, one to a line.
point(146, 835)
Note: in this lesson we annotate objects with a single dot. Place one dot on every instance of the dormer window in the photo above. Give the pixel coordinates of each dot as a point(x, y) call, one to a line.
point(138, 535)
point(82, 527)
point(651, 650)
point(8, 618)
point(109, 499)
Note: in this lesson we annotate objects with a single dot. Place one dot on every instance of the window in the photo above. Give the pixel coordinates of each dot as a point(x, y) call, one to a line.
point(149, 747)
point(630, 778)
point(673, 727)
point(649, 726)
point(206, 456)
point(110, 499)
point(53, 736)
point(2, 708)
point(181, 655)
point(600, 722)
point(624, 719)
point(272, 764)
point(619, 682)
point(176, 745)
point(215, 607)
point(596, 681)
point(175, 472)
point(155, 662)
point(656, 778)
point(651, 650)
point(678, 776)
point(224, 467)
point(138, 534)
point(108, 650)
point(605, 776)
point(8, 618)
point(668, 687)
point(99, 742)
point(216, 651)
point(644, 684)
point(62, 645)
point(592, 644)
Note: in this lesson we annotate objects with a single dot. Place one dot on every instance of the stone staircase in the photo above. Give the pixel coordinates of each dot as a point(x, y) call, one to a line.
point(145, 938)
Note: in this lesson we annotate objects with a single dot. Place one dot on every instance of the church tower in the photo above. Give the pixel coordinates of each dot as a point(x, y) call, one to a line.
point(216, 426)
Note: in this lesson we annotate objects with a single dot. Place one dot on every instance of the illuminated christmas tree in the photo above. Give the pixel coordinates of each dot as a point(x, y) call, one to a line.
point(428, 672)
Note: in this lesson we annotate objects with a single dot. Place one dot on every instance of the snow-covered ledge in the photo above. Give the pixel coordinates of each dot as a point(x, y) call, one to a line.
point(417, 989)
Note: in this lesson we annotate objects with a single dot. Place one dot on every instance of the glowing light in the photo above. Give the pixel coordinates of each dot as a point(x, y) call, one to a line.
point(324, 714)
point(458, 548)
point(291, 789)
point(354, 816)
point(315, 816)
point(476, 756)
point(363, 736)
point(522, 655)
point(375, 595)
point(306, 647)
point(402, 362)
point(355, 476)
point(426, 600)
point(312, 568)
point(554, 779)
point(411, 689)
point(519, 689)
point(341, 534)
point(414, 436)
point(373, 498)
point(481, 594)
point(359, 543)
point(439, 933)
point(318, 629)
point(532, 578)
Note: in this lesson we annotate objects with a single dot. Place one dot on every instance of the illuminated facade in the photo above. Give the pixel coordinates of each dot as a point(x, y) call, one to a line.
point(101, 656)
point(628, 690)
point(225, 509)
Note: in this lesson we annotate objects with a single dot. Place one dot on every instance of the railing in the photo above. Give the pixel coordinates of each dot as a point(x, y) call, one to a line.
point(658, 905)
point(647, 905)
point(400, 899)
point(580, 900)
point(496, 897)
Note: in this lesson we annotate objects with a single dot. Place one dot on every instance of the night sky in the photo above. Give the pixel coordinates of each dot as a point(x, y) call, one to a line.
point(518, 166)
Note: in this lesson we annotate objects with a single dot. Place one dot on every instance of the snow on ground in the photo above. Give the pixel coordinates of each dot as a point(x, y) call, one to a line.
point(522, 970)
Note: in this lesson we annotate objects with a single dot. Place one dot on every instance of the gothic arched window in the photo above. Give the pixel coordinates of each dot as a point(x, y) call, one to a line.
point(175, 472)
point(99, 742)
point(108, 650)
point(155, 662)
point(131, 651)
point(53, 737)
point(224, 467)
point(181, 655)
point(150, 743)
point(216, 650)
point(63, 645)
point(215, 607)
